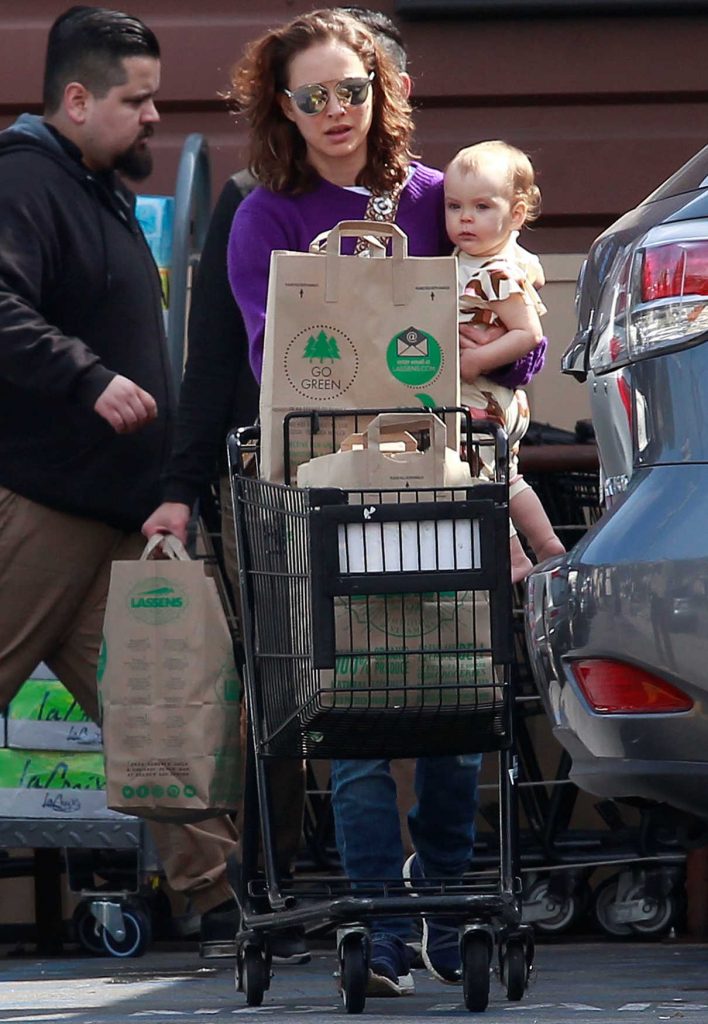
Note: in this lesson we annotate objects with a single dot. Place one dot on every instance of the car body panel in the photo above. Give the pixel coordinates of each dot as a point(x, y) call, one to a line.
point(634, 589)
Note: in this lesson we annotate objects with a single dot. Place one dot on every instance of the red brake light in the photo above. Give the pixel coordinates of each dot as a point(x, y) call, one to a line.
point(625, 397)
point(613, 688)
point(615, 348)
point(676, 269)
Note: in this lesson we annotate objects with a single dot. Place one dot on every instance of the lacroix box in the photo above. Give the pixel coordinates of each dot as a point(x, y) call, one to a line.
point(43, 715)
point(51, 784)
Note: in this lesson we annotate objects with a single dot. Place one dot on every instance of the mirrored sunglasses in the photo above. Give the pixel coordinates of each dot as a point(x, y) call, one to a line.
point(312, 99)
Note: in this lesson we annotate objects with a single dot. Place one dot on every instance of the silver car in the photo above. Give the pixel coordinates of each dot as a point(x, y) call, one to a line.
point(617, 629)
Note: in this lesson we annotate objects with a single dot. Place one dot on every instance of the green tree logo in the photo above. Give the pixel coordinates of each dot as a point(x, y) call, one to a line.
point(321, 348)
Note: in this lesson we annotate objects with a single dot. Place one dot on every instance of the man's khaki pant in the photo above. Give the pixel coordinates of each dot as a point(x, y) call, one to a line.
point(54, 573)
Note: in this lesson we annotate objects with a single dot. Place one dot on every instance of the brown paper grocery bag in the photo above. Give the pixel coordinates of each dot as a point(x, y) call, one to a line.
point(405, 650)
point(169, 690)
point(387, 455)
point(347, 332)
point(410, 650)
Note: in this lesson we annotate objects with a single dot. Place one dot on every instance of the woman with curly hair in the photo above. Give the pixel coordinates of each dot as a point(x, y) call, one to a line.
point(330, 141)
point(330, 133)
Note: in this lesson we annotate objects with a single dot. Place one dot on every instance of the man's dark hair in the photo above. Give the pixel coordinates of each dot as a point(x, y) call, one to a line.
point(385, 31)
point(88, 45)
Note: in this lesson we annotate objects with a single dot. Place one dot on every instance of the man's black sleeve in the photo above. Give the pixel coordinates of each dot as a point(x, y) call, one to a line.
point(218, 390)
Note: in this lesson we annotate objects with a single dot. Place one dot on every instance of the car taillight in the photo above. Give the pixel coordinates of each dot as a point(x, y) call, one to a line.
point(610, 347)
point(670, 302)
point(614, 688)
point(655, 296)
point(675, 270)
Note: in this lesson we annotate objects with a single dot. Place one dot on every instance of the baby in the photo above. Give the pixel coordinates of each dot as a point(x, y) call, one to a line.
point(490, 193)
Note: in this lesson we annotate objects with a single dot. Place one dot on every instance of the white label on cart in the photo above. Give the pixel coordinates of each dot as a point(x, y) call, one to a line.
point(434, 545)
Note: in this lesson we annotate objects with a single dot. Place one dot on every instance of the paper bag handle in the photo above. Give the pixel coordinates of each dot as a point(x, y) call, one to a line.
point(375, 248)
point(357, 228)
point(393, 264)
point(394, 435)
point(399, 422)
point(169, 544)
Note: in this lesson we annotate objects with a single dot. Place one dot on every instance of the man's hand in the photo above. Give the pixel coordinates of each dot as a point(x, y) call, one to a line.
point(125, 405)
point(169, 517)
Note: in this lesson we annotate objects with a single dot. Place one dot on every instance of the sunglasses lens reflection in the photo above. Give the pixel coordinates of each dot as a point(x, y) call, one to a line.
point(353, 90)
point(312, 99)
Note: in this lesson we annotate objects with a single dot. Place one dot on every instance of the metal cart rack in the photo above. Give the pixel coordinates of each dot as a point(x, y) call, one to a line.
point(643, 898)
point(112, 920)
point(312, 561)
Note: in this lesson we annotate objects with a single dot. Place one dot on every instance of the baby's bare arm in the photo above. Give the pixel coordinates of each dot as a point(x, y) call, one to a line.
point(523, 332)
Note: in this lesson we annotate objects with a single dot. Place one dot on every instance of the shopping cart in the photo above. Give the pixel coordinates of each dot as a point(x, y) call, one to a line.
point(375, 624)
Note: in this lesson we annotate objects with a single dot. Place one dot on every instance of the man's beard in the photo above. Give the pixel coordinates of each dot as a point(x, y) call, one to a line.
point(136, 162)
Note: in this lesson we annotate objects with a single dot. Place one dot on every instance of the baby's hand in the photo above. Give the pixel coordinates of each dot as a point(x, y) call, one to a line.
point(480, 334)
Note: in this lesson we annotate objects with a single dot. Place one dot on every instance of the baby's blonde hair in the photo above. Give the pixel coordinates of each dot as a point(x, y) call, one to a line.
point(512, 161)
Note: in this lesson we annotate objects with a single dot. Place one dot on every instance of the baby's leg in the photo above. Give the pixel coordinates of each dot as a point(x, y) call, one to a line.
point(521, 564)
point(529, 516)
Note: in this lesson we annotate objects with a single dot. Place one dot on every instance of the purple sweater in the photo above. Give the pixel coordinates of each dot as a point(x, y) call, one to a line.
point(268, 220)
point(275, 220)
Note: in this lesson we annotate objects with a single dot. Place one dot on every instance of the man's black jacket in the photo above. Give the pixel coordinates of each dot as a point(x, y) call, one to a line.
point(79, 303)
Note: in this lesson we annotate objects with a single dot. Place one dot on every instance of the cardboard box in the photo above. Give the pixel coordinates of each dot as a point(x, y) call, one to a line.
point(43, 671)
point(43, 715)
point(49, 784)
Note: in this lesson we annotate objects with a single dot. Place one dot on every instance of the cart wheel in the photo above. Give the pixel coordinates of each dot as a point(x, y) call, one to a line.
point(475, 971)
point(89, 932)
point(515, 970)
point(355, 974)
point(664, 909)
point(605, 896)
point(254, 980)
point(566, 912)
point(137, 935)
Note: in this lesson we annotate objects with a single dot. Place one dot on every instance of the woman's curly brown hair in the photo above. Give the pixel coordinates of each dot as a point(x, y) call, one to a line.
point(278, 155)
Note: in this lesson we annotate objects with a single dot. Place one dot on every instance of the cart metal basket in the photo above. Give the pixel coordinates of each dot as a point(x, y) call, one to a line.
point(376, 623)
point(377, 626)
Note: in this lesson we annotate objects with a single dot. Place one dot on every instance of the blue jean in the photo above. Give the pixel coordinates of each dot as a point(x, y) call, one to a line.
point(441, 823)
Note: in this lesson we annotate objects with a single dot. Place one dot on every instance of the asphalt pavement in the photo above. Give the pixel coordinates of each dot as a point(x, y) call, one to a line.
point(575, 983)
